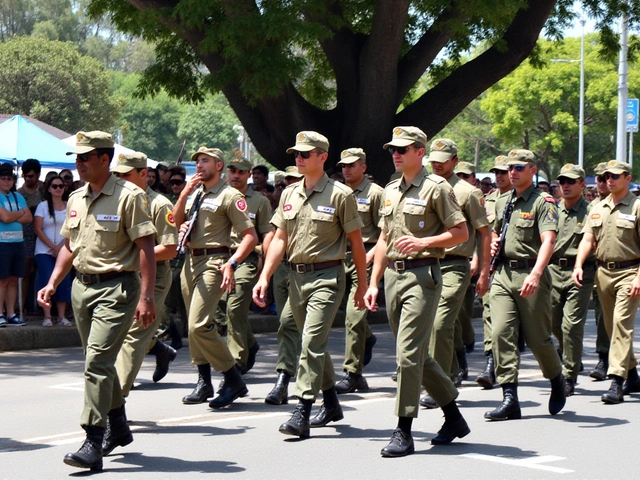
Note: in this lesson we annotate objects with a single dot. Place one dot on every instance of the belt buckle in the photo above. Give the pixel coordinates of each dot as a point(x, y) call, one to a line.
point(301, 268)
point(514, 263)
point(563, 262)
point(85, 278)
point(611, 265)
point(400, 267)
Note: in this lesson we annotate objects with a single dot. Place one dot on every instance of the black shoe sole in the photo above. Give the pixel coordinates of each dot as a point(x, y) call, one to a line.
point(409, 451)
point(172, 356)
point(599, 376)
point(438, 440)
point(301, 435)
point(611, 401)
point(197, 401)
point(121, 442)
point(512, 416)
point(237, 395)
point(276, 401)
point(485, 382)
point(335, 418)
point(96, 467)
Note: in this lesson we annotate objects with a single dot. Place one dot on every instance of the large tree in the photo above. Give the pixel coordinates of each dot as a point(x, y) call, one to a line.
point(342, 67)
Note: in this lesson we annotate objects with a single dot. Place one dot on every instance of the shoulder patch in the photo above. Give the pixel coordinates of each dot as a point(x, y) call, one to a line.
point(549, 199)
point(387, 203)
point(452, 196)
point(595, 216)
point(241, 204)
point(287, 207)
point(73, 214)
point(169, 218)
point(552, 214)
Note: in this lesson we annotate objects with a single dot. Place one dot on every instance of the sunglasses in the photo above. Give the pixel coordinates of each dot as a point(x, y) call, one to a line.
point(612, 176)
point(567, 181)
point(57, 186)
point(400, 150)
point(176, 182)
point(84, 157)
point(304, 155)
point(517, 168)
point(67, 177)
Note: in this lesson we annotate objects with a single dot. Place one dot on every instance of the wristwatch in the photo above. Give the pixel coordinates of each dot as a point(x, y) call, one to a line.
point(233, 263)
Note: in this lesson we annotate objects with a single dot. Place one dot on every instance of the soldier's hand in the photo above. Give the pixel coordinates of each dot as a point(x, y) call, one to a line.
point(259, 292)
point(45, 294)
point(635, 287)
point(494, 246)
point(192, 184)
point(408, 245)
point(145, 312)
point(530, 285)
point(370, 299)
point(228, 279)
point(577, 276)
point(482, 286)
point(358, 297)
point(183, 231)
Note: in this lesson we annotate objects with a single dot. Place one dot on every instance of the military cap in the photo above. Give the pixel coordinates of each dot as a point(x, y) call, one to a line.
point(88, 141)
point(307, 141)
point(352, 155)
point(599, 170)
point(214, 153)
point(6, 170)
point(614, 166)
point(292, 172)
point(466, 168)
point(240, 163)
point(571, 171)
point(129, 161)
point(520, 157)
point(405, 136)
point(501, 163)
point(442, 149)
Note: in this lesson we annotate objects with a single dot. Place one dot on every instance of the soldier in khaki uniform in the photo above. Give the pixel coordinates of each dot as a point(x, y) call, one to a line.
point(602, 337)
point(521, 288)
point(236, 304)
point(455, 266)
point(569, 303)
point(209, 270)
point(110, 238)
point(358, 337)
point(288, 333)
point(487, 377)
point(132, 167)
point(613, 229)
point(314, 219)
point(420, 218)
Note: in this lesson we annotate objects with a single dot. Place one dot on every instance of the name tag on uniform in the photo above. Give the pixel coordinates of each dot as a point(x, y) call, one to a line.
point(624, 216)
point(330, 210)
point(108, 218)
point(252, 216)
point(211, 202)
point(416, 201)
point(364, 201)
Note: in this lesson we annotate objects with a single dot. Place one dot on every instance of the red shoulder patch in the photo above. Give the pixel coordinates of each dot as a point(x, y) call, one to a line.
point(287, 207)
point(241, 204)
point(73, 214)
point(549, 199)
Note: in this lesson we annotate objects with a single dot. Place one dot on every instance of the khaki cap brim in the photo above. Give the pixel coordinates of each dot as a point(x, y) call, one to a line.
point(569, 175)
point(518, 162)
point(301, 148)
point(398, 142)
point(440, 157)
point(195, 155)
point(502, 168)
point(348, 160)
point(82, 149)
point(122, 169)
point(615, 170)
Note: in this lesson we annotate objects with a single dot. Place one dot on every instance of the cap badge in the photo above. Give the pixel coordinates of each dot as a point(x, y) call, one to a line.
point(397, 132)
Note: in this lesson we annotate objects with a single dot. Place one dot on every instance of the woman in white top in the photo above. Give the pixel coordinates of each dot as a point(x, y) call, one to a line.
point(47, 222)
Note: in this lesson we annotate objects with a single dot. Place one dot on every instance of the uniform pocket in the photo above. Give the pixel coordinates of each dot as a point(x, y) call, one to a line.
point(321, 222)
point(414, 217)
point(625, 229)
point(524, 229)
point(107, 234)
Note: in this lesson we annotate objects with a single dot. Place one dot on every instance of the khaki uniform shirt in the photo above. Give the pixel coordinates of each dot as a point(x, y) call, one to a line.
point(616, 229)
point(260, 213)
point(102, 230)
point(316, 225)
point(222, 208)
point(534, 212)
point(369, 200)
point(425, 208)
point(570, 224)
point(471, 203)
point(162, 217)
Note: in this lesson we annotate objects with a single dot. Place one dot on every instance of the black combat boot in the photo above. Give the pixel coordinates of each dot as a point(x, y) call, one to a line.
point(298, 424)
point(203, 389)
point(401, 443)
point(454, 426)
point(117, 433)
point(90, 453)
point(176, 338)
point(330, 411)
point(234, 387)
point(632, 383)
point(509, 409)
point(600, 371)
point(280, 393)
point(368, 349)
point(570, 388)
point(558, 397)
point(251, 358)
point(463, 367)
point(164, 356)
point(615, 393)
point(352, 382)
point(487, 379)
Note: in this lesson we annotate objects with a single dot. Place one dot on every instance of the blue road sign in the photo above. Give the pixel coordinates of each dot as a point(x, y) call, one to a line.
point(632, 115)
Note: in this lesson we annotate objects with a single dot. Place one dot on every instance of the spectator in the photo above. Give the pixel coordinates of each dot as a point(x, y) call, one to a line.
point(486, 185)
point(30, 191)
point(163, 177)
point(176, 183)
point(152, 178)
point(49, 174)
point(67, 178)
point(260, 175)
point(13, 214)
point(49, 217)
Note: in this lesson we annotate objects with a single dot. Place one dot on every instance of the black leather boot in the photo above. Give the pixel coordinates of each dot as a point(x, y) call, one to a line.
point(280, 393)
point(90, 453)
point(234, 387)
point(351, 383)
point(203, 389)
point(487, 379)
point(632, 383)
point(117, 433)
point(509, 409)
point(330, 411)
point(600, 371)
point(454, 425)
point(463, 367)
point(570, 388)
point(176, 338)
point(298, 424)
point(615, 393)
point(368, 349)
point(251, 359)
point(164, 356)
point(558, 397)
point(401, 445)
point(428, 402)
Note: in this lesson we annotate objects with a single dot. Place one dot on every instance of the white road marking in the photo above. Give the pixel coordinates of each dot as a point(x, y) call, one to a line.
point(533, 462)
point(76, 386)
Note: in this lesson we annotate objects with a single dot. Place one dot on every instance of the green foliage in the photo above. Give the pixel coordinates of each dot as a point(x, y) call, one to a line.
point(53, 82)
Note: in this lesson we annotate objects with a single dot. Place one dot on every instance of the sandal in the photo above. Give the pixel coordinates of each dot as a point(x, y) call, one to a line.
point(47, 322)
point(65, 323)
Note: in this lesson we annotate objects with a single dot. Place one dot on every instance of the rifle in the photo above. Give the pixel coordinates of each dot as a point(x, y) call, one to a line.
point(506, 219)
point(181, 154)
point(193, 215)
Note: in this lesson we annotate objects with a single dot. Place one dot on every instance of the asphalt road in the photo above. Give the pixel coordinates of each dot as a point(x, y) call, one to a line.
point(41, 400)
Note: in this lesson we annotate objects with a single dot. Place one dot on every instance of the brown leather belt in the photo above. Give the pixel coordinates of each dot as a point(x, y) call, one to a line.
point(519, 264)
point(402, 265)
point(563, 262)
point(619, 265)
point(88, 279)
point(198, 252)
point(454, 257)
point(312, 267)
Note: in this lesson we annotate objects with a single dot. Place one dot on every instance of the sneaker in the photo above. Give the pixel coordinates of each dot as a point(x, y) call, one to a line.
point(16, 321)
point(3, 321)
